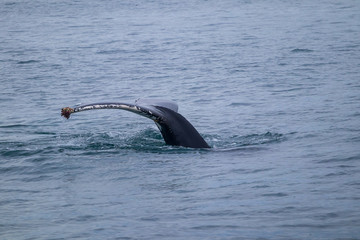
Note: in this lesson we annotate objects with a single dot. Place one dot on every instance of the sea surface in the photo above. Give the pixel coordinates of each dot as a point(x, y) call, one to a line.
point(272, 86)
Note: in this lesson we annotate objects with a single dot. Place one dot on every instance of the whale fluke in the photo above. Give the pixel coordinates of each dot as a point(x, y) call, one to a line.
point(175, 129)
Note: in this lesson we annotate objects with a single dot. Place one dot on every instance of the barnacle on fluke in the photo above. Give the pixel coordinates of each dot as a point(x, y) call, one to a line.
point(66, 111)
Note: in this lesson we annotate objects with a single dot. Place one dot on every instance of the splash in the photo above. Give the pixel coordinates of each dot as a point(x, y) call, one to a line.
point(246, 142)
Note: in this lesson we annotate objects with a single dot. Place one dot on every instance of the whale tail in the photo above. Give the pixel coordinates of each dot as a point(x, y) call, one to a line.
point(175, 129)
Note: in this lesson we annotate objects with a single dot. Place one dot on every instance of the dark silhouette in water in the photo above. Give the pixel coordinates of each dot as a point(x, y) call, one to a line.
point(175, 129)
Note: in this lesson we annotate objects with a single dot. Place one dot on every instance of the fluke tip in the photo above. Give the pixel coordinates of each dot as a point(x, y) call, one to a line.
point(66, 111)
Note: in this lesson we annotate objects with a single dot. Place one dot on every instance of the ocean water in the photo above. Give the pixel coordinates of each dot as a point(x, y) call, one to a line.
point(272, 86)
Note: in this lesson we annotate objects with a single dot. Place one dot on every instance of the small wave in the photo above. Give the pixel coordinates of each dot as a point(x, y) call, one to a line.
point(10, 3)
point(301, 50)
point(19, 152)
point(111, 52)
point(340, 159)
point(279, 194)
point(27, 61)
point(12, 169)
point(15, 126)
point(241, 104)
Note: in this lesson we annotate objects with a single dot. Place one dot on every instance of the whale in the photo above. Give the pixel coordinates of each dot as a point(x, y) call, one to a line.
point(175, 128)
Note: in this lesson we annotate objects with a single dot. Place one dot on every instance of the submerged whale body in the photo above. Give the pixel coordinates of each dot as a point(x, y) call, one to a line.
point(175, 129)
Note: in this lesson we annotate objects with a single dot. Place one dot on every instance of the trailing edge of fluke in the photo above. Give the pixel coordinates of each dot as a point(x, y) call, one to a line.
point(175, 129)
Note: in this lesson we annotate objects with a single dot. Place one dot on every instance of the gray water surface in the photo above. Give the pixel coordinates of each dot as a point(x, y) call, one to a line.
point(272, 86)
